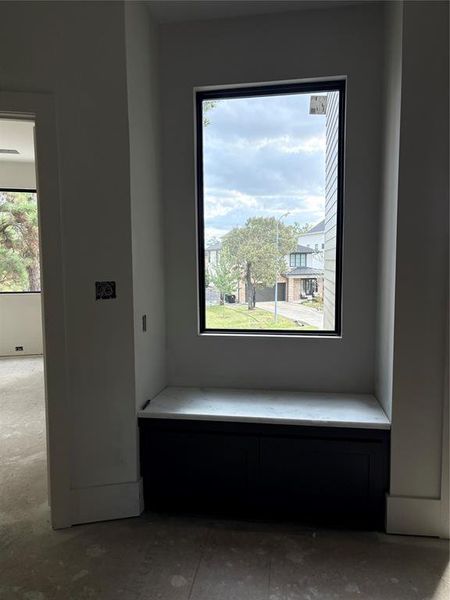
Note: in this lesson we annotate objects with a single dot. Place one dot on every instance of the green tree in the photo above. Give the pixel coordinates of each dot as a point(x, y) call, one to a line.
point(207, 106)
point(19, 242)
point(258, 253)
point(224, 275)
point(303, 228)
point(207, 277)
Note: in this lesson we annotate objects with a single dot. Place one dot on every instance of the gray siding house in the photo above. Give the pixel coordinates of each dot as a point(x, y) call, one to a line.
point(330, 230)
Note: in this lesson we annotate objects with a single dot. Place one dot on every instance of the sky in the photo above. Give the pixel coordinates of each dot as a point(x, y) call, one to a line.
point(263, 156)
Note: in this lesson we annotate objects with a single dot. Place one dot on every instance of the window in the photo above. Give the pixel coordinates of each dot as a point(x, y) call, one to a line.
point(297, 259)
point(19, 242)
point(270, 175)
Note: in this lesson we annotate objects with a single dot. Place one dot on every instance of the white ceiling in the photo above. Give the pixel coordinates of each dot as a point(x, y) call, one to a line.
point(171, 11)
point(17, 135)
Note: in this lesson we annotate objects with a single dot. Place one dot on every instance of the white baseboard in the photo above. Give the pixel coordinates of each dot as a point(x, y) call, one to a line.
point(413, 516)
point(107, 502)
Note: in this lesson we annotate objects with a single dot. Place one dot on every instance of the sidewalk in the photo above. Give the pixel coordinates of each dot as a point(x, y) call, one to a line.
point(296, 312)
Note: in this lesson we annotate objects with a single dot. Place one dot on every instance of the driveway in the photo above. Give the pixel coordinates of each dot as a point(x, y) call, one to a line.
point(296, 312)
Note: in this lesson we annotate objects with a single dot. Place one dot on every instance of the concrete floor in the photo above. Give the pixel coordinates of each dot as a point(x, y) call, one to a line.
point(175, 558)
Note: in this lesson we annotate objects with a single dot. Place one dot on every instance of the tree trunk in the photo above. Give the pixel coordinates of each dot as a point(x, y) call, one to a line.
point(250, 291)
point(34, 279)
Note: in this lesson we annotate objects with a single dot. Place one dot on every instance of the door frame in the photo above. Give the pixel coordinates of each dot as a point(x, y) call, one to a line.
point(39, 107)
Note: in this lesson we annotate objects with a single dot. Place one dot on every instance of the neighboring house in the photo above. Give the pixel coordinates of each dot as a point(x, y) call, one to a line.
point(302, 279)
point(315, 239)
point(212, 252)
point(331, 195)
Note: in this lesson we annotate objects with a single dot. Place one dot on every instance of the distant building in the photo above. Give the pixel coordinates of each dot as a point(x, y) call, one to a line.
point(300, 281)
point(303, 277)
point(330, 231)
point(212, 252)
point(314, 239)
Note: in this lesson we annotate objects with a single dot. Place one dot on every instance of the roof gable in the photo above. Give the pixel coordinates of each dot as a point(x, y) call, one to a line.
point(319, 228)
point(303, 250)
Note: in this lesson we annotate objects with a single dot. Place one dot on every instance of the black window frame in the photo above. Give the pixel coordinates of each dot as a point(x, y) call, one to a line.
point(25, 191)
point(201, 95)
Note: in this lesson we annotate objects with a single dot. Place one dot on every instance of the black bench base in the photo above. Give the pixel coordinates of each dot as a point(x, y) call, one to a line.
point(319, 476)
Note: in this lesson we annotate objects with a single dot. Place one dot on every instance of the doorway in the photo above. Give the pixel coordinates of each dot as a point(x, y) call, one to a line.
point(23, 464)
point(46, 375)
point(309, 287)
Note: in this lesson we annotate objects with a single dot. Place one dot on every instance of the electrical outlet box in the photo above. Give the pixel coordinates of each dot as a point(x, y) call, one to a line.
point(19, 348)
point(105, 290)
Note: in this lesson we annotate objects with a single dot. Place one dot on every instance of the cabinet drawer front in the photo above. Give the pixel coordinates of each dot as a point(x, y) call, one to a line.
point(198, 470)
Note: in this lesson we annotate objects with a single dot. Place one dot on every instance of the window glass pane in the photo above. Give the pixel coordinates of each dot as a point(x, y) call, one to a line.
point(269, 201)
point(19, 242)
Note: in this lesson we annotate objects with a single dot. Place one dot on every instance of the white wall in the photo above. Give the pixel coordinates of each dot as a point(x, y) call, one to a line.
point(418, 341)
point(420, 324)
point(392, 81)
point(307, 44)
point(83, 66)
point(146, 202)
point(20, 324)
point(17, 175)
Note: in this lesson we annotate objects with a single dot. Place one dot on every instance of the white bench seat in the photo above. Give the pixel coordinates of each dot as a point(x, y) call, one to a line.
point(361, 411)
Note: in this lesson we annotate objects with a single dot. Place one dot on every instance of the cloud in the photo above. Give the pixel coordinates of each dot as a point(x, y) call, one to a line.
point(215, 232)
point(221, 202)
point(313, 144)
point(303, 209)
point(266, 170)
point(286, 144)
point(263, 157)
point(263, 117)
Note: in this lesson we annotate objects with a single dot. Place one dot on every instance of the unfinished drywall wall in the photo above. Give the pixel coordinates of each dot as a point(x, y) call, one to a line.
point(421, 283)
point(392, 81)
point(308, 44)
point(75, 51)
point(146, 202)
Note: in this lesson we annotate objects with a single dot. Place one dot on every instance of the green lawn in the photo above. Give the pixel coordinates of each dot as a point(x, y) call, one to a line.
point(239, 317)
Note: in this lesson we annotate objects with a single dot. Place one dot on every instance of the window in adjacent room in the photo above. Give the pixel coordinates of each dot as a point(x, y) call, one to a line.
point(270, 195)
point(19, 242)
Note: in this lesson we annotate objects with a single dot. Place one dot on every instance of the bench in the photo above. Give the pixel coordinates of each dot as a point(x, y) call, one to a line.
point(321, 459)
